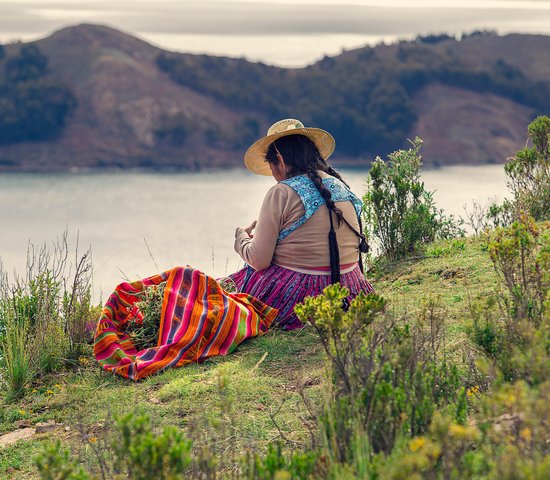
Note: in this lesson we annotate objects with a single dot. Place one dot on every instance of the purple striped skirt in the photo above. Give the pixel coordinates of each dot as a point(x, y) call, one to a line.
point(282, 288)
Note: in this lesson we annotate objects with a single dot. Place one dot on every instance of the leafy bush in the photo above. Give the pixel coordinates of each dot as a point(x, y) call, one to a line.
point(388, 377)
point(141, 454)
point(505, 440)
point(55, 463)
point(274, 465)
point(46, 315)
point(399, 213)
point(136, 452)
point(529, 172)
point(512, 326)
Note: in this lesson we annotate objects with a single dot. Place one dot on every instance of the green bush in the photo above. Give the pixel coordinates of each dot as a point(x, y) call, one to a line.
point(17, 368)
point(388, 376)
point(400, 215)
point(512, 327)
point(274, 466)
point(55, 463)
point(45, 315)
point(136, 452)
point(529, 172)
point(141, 454)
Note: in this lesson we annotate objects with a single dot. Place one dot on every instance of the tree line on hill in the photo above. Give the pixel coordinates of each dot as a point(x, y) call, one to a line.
point(366, 101)
point(33, 105)
point(364, 98)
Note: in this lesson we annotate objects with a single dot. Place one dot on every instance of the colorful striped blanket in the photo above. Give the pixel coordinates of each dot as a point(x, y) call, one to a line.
point(198, 320)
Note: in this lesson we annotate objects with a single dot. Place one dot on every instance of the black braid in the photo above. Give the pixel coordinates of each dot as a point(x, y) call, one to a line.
point(325, 193)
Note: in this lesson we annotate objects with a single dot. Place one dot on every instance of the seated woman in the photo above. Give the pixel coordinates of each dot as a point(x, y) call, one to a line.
point(308, 235)
point(289, 255)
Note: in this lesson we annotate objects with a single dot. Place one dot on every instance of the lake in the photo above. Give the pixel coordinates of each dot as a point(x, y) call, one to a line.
point(183, 218)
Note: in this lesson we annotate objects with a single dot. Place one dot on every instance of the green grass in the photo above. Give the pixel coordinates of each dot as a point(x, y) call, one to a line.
point(85, 398)
point(454, 273)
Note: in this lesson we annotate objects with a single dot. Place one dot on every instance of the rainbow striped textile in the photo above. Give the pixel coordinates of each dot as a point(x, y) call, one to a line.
point(198, 320)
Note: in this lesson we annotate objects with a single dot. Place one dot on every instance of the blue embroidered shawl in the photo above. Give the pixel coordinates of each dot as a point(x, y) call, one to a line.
point(312, 199)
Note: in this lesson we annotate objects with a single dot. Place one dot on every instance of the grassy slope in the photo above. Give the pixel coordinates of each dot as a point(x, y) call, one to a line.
point(83, 398)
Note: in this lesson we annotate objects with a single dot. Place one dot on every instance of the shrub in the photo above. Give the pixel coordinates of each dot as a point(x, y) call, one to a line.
point(16, 357)
point(529, 171)
point(388, 377)
point(400, 214)
point(512, 326)
point(505, 439)
point(142, 454)
point(136, 452)
point(274, 465)
point(54, 463)
point(45, 314)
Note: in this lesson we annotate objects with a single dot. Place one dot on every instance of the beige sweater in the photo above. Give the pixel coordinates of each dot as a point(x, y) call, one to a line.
point(307, 246)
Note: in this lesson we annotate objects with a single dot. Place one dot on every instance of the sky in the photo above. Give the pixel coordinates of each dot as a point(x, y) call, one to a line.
point(281, 32)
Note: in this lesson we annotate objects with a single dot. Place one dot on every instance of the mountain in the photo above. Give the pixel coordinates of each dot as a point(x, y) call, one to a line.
point(128, 104)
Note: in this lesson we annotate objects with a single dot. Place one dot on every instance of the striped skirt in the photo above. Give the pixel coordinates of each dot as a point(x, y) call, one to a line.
point(283, 289)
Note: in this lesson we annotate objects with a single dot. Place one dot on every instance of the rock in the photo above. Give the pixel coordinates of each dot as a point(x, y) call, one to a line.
point(16, 435)
point(44, 427)
point(23, 424)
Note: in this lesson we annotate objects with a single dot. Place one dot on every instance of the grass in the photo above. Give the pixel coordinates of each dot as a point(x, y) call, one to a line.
point(84, 398)
point(454, 273)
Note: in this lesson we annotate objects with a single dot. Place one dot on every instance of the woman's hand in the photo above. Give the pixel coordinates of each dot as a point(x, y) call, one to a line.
point(249, 229)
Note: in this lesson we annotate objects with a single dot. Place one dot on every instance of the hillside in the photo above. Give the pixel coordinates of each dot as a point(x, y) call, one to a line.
point(82, 401)
point(137, 106)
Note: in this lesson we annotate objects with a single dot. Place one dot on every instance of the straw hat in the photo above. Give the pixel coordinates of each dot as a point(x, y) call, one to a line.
point(254, 158)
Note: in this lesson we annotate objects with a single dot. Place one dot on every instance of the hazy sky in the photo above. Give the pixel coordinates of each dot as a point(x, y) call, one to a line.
point(266, 29)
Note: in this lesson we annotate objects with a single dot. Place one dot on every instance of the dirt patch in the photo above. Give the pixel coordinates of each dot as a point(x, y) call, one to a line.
point(449, 274)
point(13, 437)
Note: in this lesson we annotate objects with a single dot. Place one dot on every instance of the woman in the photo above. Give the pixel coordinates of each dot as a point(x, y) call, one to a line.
point(289, 257)
point(289, 253)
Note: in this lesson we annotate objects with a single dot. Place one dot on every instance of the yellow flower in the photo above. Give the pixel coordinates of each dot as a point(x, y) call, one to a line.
point(457, 431)
point(92, 439)
point(472, 391)
point(34, 390)
point(57, 385)
point(84, 360)
point(49, 392)
point(417, 443)
point(461, 432)
point(526, 434)
point(22, 412)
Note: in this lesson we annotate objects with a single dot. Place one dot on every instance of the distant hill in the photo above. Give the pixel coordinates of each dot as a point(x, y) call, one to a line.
point(127, 104)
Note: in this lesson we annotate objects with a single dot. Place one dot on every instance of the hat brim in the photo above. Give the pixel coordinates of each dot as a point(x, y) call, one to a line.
point(254, 158)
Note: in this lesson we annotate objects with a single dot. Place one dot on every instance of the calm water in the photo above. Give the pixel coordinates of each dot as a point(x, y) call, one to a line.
point(184, 218)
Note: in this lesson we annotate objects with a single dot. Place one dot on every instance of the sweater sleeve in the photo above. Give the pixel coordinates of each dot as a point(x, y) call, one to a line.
point(258, 251)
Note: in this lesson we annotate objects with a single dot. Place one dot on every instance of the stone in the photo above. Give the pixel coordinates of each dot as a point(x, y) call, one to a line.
point(16, 435)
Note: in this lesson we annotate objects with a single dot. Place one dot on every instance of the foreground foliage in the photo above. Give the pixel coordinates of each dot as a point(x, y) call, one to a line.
point(45, 317)
point(528, 171)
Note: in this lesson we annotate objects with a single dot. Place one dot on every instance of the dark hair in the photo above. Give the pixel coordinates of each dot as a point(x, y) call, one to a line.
point(302, 156)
